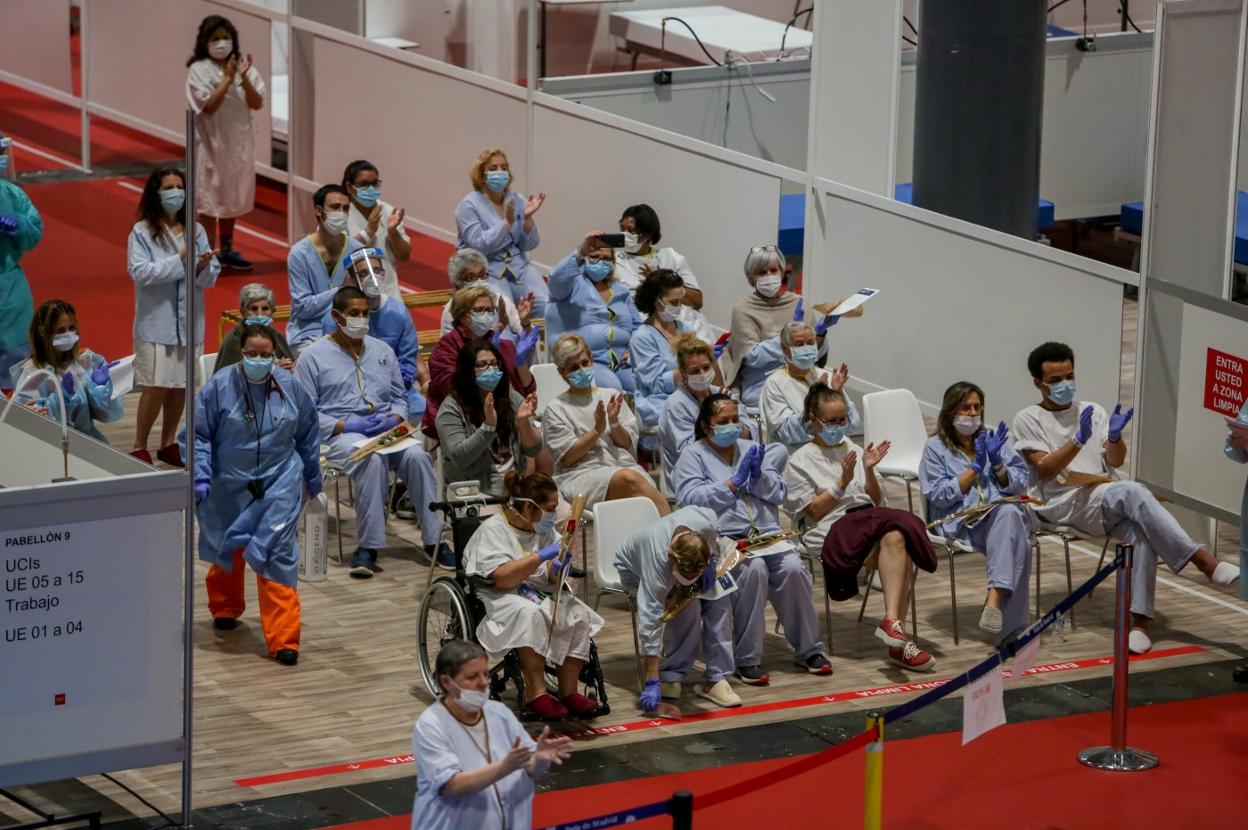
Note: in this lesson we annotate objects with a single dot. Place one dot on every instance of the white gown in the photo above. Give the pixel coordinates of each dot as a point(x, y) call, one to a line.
point(567, 418)
point(225, 166)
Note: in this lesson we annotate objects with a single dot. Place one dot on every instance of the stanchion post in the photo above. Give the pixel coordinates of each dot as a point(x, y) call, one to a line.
point(1118, 756)
point(681, 808)
point(873, 801)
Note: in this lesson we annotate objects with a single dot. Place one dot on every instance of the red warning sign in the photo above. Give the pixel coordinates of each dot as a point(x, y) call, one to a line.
point(1226, 382)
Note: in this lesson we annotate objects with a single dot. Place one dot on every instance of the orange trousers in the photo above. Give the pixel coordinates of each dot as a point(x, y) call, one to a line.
point(279, 605)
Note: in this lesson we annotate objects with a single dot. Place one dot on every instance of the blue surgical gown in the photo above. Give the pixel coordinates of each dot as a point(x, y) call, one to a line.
point(90, 402)
point(392, 324)
point(16, 305)
point(312, 289)
point(576, 307)
point(701, 478)
point(938, 477)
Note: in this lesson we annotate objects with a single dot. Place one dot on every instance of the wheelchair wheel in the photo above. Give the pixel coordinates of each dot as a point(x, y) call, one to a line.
point(444, 616)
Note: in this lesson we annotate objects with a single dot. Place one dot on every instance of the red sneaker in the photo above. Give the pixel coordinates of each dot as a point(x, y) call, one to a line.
point(142, 455)
point(580, 706)
point(913, 658)
point(893, 633)
point(545, 707)
point(170, 455)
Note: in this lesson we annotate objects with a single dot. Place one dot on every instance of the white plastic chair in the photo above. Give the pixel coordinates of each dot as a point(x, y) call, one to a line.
point(206, 362)
point(613, 522)
point(550, 384)
point(894, 415)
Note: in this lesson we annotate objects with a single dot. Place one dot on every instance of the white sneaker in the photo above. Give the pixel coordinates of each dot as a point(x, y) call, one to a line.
point(720, 693)
point(990, 620)
point(1138, 641)
point(1224, 574)
point(670, 691)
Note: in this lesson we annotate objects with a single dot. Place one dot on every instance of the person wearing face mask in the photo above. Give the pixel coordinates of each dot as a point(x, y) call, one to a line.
point(586, 299)
point(498, 222)
point(743, 483)
point(484, 426)
point(82, 374)
point(475, 763)
point(641, 255)
point(358, 391)
point(476, 315)
point(655, 375)
point(256, 302)
point(831, 482)
point(592, 434)
point(375, 223)
point(156, 259)
point(678, 550)
point(316, 266)
point(698, 378)
point(468, 268)
point(224, 89)
point(257, 453)
point(758, 317)
point(964, 466)
point(781, 402)
point(20, 231)
point(1075, 450)
point(516, 550)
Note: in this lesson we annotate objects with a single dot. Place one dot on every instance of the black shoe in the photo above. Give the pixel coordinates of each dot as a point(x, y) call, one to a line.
point(1240, 673)
point(232, 259)
point(401, 502)
point(287, 657)
point(446, 556)
point(225, 623)
point(752, 675)
point(362, 563)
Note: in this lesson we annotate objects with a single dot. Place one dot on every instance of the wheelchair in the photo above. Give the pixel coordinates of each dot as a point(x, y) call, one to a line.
point(451, 610)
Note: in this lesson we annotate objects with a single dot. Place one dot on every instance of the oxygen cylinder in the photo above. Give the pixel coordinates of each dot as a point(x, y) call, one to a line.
point(313, 541)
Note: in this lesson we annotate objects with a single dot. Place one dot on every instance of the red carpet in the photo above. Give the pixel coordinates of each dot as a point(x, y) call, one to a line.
point(1019, 776)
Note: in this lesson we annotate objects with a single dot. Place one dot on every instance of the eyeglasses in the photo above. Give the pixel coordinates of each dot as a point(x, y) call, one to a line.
point(759, 249)
point(487, 364)
point(252, 353)
point(373, 183)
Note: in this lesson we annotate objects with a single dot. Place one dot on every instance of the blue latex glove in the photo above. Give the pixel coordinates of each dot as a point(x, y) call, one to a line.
point(527, 344)
point(562, 568)
point(742, 474)
point(8, 225)
point(549, 552)
point(313, 487)
point(707, 580)
point(379, 424)
point(756, 462)
point(407, 372)
point(67, 384)
point(497, 339)
point(821, 328)
point(99, 375)
point(1118, 421)
point(357, 423)
point(798, 312)
point(980, 462)
point(202, 489)
point(649, 700)
point(718, 349)
point(1084, 435)
point(994, 443)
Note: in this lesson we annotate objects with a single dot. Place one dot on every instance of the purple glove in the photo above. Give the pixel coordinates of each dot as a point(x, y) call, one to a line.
point(994, 442)
point(742, 474)
point(8, 225)
point(980, 462)
point(379, 424)
point(358, 423)
point(1118, 421)
point(1084, 435)
point(99, 375)
point(707, 580)
point(527, 344)
point(67, 384)
point(649, 700)
point(408, 373)
point(756, 462)
point(798, 313)
point(826, 323)
point(549, 552)
point(718, 349)
point(497, 339)
point(313, 487)
point(202, 489)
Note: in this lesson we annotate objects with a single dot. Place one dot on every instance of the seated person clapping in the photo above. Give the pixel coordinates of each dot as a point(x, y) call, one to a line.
point(586, 299)
point(57, 360)
point(699, 378)
point(485, 427)
point(832, 484)
point(592, 434)
point(784, 393)
point(743, 482)
point(256, 302)
point(518, 550)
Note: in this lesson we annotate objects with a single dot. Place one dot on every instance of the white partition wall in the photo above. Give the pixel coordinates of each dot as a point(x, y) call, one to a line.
point(34, 44)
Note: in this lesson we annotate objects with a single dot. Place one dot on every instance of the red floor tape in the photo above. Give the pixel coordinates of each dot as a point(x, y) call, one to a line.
point(720, 714)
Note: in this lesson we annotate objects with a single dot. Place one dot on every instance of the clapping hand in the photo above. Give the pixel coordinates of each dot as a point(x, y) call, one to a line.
point(524, 309)
point(839, 376)
point(374, 221)
point(756, 462)
point(99, 375)
point(552, 750)
point(527, 408)
point(994, 443)
point(518, 757)
point(600, 418)
point(489, 413)
point(527, 345)
point(849, 464)
point(874, 454)
point(613, 410)
point(1084, 435)
point(67, 384)
point(231, 67)
point(1118, 421)
point(533, 204)
point(798, 311)
point(204, 259)
point(741, 475)
point(244, 65)
point(396, 219)
point(980, 462)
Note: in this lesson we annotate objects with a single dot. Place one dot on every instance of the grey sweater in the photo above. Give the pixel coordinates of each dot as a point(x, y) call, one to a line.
point(466, 447)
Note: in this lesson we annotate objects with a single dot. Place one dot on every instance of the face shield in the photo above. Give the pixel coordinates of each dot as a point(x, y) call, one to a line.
point(367, 264)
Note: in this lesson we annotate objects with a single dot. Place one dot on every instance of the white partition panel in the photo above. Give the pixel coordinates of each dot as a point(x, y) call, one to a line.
point(961, 302)
point(714, 204)
point(34, 44)
point(138, 51)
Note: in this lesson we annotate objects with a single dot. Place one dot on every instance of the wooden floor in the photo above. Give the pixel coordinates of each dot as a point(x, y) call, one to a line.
point(357, 689)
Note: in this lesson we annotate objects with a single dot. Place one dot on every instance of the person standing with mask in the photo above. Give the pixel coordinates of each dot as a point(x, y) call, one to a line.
point(257, 452)
point(375, 223)
point(315, 266)
point(782, 402)
point(20, 230)
point(223, 89)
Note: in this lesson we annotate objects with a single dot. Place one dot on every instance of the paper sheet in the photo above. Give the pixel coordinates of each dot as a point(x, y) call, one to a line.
point(852, 302)
point(723, 586)
point(783, 546)
point(1025, 659)
point(398, 446)
point(122, 376)
point(983, 707)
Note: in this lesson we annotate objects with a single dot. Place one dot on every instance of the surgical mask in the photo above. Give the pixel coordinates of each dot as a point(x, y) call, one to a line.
point(967, 424)
point(768, 286)
point(544, 525)
point(684, 580)
point(700, 383)
point(1062, 393)
point(488, 378)
point(369, 286)
point(262, 320)
point(597, 269)
point(497, 180)
point(725, 435)
point(257, 368)
point(355, 327)
point(336, 222)
point(481, 283)
point(219, 50)
point(803, 357)
point(631, 243)
point(65, 341)
point(668, 313)
point(480, 322)
point(470, 699)
point(368, 195)
point(172, 200)
point(832, 434)
point(582, 378)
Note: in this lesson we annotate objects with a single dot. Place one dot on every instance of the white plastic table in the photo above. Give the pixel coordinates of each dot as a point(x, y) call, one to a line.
point(721, 30)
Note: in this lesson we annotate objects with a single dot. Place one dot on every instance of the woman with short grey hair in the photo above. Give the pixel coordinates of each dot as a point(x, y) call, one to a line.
point(754, 350)
point(468, 266)
point(475, 763)
point(257, 304)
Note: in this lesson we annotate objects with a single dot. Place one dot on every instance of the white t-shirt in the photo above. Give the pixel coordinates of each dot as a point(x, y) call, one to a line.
point(628, 267)
point(1037, 428)
point(813, 469)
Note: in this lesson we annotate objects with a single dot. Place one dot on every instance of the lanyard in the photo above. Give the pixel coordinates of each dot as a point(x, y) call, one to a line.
point(485, 753)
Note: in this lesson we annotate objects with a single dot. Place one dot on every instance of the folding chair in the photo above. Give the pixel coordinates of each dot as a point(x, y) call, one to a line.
point(894, 415)
point(613, 522)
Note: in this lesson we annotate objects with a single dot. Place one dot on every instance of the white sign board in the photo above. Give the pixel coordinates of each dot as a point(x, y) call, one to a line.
point(90, 636)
